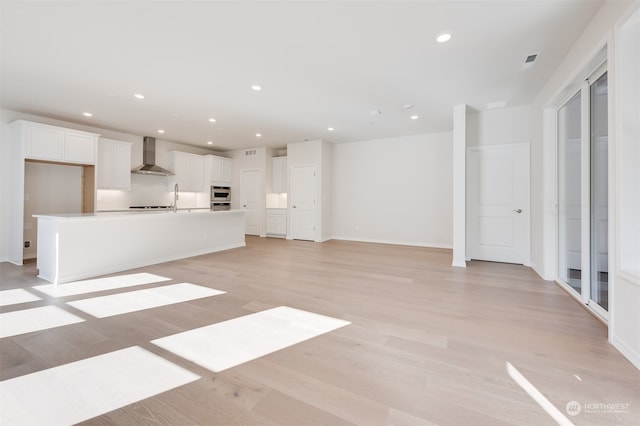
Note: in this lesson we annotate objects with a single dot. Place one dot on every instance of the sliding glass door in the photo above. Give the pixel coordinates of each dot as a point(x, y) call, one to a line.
point(583, 254)
point(569, 194)
point(599, 150)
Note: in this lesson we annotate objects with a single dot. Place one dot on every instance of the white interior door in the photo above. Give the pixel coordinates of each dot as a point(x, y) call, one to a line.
point(250, 197)
point(498, 200)
point(303, 202)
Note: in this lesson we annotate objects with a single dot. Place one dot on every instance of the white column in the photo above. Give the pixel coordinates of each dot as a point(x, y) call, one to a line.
point(459, 186)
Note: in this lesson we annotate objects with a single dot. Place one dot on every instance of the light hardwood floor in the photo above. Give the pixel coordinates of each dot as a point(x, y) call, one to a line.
point(427, 344)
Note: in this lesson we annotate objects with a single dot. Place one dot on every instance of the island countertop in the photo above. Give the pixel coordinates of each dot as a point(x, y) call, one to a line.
point(109, 214)
point(78, 246)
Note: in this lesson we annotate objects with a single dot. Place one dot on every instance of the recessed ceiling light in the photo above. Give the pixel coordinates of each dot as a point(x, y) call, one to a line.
point(443, 37)
point(256, 87)
point(414, 117)
point(212, 120)
point(258, 135)
point(331, 129)
point(160, 131)
point(87, 114)
point(209, 143)
point(138, 96)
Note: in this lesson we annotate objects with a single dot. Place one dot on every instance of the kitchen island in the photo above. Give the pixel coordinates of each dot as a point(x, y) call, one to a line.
point(73, 247)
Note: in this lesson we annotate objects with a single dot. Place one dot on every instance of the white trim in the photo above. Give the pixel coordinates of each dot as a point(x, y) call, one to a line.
point(578, 298)
point(459, 150)
point(585, 191)
point(632, 276)
point(626, 350)
point(393, 242)
point(490, 147)
point(598, 310)
point(540, 272)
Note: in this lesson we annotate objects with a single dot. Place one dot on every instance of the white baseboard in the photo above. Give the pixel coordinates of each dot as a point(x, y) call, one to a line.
point(393, 242)
point(537, 270)
point(627, 351)
point(459, 264)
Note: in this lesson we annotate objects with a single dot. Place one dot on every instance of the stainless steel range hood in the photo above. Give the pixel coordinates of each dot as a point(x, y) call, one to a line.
point(149, 166)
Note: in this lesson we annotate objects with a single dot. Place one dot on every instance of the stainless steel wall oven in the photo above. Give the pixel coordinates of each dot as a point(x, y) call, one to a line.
point(220, 198)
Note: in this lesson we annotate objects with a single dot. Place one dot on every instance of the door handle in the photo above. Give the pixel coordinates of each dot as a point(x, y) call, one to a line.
point(293, 207)
point(244, 205)
point(518, 211)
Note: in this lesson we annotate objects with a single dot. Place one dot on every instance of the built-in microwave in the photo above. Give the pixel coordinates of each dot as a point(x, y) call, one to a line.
point(220, 193)
point(220, 198)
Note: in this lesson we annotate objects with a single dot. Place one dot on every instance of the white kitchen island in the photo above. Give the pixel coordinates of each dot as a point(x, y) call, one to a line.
point(73, 247)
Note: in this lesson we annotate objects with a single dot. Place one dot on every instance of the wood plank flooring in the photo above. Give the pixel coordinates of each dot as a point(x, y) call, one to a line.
point(427, 344)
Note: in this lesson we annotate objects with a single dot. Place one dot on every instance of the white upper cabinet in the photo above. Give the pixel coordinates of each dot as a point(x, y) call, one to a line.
point(79, 148)
point(114, 164)
point(44, 143)
point(217, 170)
point(188, 169)
point(279, 178)
point(53, 143)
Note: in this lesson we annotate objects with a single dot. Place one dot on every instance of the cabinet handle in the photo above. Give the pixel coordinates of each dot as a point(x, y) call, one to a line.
point(293, 207)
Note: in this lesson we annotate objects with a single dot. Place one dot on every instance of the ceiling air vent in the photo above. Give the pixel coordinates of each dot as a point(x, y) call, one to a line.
point(531, 60)
point(250, 152)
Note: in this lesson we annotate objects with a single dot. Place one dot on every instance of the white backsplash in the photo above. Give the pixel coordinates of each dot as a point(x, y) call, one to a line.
point(149, 191)
point(276, 201)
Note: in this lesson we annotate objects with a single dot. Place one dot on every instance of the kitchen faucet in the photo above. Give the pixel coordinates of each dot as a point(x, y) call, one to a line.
point(175, 198)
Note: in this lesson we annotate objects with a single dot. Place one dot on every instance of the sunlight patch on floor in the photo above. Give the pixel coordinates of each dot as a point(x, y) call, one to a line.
point(537, 396)
point(15, 296)
point(84, 389)
point(99, 284)
point(220, 346)
point(122, 303)
point(35, 319)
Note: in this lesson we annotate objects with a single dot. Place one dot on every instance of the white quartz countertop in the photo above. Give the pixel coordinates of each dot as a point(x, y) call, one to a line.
point(133, 214)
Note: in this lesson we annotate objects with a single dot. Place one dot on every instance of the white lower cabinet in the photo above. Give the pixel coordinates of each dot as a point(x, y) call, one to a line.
point(277, 222)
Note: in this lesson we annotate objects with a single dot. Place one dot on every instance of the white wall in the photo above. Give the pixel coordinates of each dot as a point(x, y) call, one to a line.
point(499, 126)
point(49, 189)
point(459, 185)
point(624, 322)
point(326, 206)
point(396, 190)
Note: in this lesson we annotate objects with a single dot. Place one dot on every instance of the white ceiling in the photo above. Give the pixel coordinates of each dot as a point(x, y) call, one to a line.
point(321, 64)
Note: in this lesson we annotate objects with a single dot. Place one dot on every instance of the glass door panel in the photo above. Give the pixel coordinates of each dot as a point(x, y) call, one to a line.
point(599, 147)
point(569, 195)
